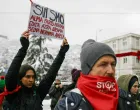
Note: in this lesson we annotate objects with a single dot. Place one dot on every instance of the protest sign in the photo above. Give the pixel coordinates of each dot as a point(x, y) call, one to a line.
point(44, 21)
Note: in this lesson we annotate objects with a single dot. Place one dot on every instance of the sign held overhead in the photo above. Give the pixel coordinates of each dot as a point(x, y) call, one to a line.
point(44, 21)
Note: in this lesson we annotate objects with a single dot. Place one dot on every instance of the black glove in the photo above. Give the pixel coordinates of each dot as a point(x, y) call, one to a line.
point(63, 50)
point(25, 43)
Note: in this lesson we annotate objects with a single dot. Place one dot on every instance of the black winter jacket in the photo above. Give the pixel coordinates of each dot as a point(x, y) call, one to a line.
point(74, 100)
point(126, 101)
point(55, 94)
point(69, 87)
point(32, 99)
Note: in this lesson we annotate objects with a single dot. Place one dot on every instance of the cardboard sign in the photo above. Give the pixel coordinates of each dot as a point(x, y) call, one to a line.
point(44, 21)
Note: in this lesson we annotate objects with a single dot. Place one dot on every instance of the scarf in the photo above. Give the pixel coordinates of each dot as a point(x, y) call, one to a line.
point(101, 92)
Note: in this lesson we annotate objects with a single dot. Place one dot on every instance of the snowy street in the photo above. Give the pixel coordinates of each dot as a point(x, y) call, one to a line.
point(46, 104)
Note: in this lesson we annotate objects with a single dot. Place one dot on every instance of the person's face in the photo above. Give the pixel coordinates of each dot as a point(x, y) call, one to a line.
point(105, 66)
point(134, 88)
point(29, 79)
point(57, 82)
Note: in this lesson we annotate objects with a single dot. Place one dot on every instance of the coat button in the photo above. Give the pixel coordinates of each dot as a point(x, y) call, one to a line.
point(72, 104)
point(129, 95)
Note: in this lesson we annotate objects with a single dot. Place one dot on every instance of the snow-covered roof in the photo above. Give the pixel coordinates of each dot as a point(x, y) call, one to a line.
point(122, 36)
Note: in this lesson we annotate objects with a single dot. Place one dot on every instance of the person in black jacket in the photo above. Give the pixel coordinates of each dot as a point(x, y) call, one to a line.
point(55, 93)
point(29, 96)
point(129, 84)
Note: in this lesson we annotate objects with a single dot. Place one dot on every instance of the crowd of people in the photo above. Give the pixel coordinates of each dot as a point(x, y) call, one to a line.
point(93, 87)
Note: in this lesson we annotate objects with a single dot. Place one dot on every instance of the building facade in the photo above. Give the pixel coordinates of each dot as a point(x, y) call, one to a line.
point(126, 48)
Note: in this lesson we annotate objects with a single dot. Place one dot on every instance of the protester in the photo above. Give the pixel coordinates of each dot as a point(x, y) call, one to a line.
point(55, 93)
point(75, 75)
point(96, 87)
point(129, 83)
point(29, 96)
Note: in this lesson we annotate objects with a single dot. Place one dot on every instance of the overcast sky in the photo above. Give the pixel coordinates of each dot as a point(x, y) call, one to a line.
point(83, 18)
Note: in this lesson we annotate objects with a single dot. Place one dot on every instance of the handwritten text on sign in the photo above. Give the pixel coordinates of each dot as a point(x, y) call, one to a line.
point(46, 22)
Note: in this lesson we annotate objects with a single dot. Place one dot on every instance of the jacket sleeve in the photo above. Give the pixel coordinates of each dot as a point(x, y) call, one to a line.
point(49, 78)
point(68, 88)
point(12, 74)
point(52, 91)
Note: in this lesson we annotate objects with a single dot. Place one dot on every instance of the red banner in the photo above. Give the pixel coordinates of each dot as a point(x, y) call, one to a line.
point(129, 54)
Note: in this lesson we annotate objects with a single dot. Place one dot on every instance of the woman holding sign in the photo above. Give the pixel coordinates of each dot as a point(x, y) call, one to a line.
point(28, 96)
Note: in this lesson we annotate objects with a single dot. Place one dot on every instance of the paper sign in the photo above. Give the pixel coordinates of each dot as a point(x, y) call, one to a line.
point(44, 21)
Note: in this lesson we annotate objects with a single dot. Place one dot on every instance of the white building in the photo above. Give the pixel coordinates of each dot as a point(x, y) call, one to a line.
point(126, 47)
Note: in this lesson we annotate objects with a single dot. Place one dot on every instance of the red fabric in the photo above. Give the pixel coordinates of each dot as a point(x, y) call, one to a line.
point(2, 97)
point(3, 94)
point(129, 54)
point(2, 77)
point(101, 92)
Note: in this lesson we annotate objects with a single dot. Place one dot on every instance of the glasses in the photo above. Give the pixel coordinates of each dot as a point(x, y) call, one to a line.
point(57, 83)
point(136, 86)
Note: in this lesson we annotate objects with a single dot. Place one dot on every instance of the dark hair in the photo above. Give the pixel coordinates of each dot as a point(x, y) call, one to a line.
point(23, 69)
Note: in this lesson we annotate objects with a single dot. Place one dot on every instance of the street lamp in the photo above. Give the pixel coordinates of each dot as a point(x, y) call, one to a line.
point(97, 31)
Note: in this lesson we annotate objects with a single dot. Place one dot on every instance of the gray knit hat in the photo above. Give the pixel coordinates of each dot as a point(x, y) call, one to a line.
point(91, 52)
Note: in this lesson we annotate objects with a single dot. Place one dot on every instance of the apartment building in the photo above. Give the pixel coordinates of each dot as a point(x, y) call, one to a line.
point(127, 50)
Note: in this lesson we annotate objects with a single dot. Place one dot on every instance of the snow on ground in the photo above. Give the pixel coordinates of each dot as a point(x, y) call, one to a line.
point(46, 104)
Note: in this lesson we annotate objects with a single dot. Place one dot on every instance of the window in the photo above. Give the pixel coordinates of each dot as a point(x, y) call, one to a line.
point(137, 60)
point(124, 60)
point(137, 42)
point(114, 44)
point(124, 42)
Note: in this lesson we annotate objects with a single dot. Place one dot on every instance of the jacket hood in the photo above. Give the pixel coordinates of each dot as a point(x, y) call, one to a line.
point(123, 81)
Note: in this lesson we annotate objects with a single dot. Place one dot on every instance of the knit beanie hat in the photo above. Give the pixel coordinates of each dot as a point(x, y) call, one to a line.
point(132, 81)
point(75, 74)
point(91, 52)
point(23, 69)
point(73, 70)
